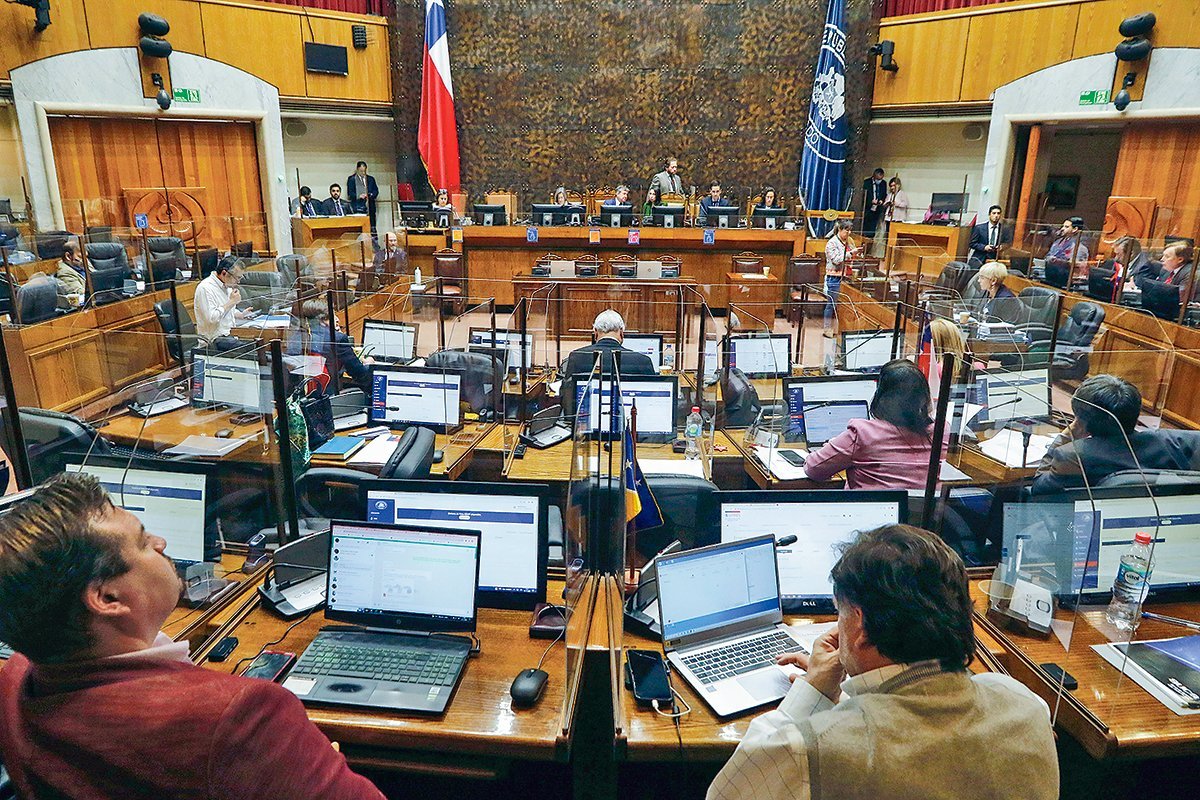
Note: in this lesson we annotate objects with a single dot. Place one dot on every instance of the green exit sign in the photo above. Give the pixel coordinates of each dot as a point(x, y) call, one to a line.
point(187, 95)
point(1095, 97)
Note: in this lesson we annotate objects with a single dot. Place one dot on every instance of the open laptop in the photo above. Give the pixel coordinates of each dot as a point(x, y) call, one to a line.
point(547, 428)
point(406, 586)
point(722, 622)
point(390, 342)
point(806, 391)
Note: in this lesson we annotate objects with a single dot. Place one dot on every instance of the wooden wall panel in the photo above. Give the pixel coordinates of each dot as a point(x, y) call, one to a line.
point(1162, 160)
point(1178, 24)
point(67, 32)
point(113, 23)
point(1003, 47)
point(266, 45)
point(931, 57)
point(370, 69)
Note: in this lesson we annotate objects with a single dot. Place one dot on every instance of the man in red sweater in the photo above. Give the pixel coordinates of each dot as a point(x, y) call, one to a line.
point(99, 704)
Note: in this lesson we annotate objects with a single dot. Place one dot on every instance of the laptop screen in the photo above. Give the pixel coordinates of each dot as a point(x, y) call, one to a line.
point(800, 391)
point(725, 585)
point(825, 420)
point(391, 341)
point(400, 576)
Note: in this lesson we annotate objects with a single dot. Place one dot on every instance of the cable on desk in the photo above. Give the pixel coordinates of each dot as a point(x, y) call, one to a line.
point(238, 665)
point(566, 615)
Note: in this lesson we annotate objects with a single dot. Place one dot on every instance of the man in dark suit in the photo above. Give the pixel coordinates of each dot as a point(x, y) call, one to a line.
point(874, 196)
point(335, 206)
point(362, 191)
point(609, 329)
point(987, 238)
point(1103, 439)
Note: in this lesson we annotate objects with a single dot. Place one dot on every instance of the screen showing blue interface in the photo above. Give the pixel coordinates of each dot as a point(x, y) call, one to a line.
point(798, 393)
point(409, 397)
point(655, 405)
point(708, 589)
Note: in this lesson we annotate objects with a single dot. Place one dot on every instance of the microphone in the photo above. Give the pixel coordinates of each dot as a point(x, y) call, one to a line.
point(784, 541)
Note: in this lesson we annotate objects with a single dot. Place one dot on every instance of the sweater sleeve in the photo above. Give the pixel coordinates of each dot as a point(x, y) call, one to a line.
point(264, 745)
point(835, 456)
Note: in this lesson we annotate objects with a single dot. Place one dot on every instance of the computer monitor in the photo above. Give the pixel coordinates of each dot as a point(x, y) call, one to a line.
point(761, 355)
point(512, 518)
point(389, 341)
point(1008, 394)
point(554, 214)
point(616, 216)
point(657, 405)
point(443, 218)
point(865, 351)
point(722, 217)
point(823, 420)
point(403, 396)
point(403, 577)
point(821, 520)
point(948, 202)
point(416, 212)
point(507, 340)
point(769, 218)
point(1161, 299)
point(801, 391)
point(169, 498)
point(648, 344)
point(667, 216)
point(490, 214)
point(232, 379)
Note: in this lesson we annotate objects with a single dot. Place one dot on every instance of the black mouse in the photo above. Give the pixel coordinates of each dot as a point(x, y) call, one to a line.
point(224, 433)
point(438, 455)
point(528, 686)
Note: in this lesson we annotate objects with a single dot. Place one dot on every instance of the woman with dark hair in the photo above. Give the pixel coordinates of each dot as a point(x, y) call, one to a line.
point(890, 450)
point(770, 198)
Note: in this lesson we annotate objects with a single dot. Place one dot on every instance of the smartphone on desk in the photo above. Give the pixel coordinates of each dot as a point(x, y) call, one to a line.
point(270, 665)
point(647, 676)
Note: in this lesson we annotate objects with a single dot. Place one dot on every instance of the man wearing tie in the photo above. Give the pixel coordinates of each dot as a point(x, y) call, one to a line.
point(874, 195)
point(363, 190)
point(335, 206)
point(667, 181)
point(988, 237)
point(304, 205)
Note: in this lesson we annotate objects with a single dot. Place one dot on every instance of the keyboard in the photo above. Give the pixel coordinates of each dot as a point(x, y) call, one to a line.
point(121, 451)
point(391, 663)
point(718, 664)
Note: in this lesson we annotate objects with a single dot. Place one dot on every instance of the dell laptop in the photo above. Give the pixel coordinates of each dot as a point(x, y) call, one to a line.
point(722, 622)
point(407, 587)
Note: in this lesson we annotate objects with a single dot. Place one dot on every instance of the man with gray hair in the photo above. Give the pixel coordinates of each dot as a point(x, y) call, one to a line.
point(609, 332)
point(621, 198)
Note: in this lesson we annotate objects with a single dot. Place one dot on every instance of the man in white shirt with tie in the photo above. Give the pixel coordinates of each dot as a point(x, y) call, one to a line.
point(988, 237)
point(215, 303)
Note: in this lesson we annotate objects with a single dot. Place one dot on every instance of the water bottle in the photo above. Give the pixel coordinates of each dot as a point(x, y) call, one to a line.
point(1131, 585)
point(668, 360)
point(692, 434)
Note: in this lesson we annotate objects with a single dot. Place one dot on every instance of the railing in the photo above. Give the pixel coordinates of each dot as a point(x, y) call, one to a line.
point(896, 8)
point(383, 8)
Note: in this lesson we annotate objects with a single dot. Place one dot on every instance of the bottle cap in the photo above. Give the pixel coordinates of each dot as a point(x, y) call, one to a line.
point(1142, 538)
point(695, 409)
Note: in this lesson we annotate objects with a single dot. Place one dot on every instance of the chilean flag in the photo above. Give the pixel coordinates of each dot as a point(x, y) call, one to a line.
point(437, 137)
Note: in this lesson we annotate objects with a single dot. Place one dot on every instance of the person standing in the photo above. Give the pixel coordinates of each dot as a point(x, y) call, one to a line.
point(988, 237)
point(667, 181)
point(895, 209)
point(363, 190)
point(838, 252)
point(874, 196)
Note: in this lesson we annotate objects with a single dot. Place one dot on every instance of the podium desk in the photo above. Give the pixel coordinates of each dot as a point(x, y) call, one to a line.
point(570, 305)
point(306, 230)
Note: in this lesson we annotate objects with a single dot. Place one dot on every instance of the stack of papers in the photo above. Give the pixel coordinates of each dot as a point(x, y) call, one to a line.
point(209, 446)
point(1169, 669)
point(377, 452)
point(1008, 447)
point(777, 466)
point(268, 321)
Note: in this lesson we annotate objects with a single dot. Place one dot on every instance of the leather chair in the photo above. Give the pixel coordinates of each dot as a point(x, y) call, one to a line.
point(747, 263)
point(99, 233)
point(1153, 477)
point(480, 372)
point(108, 265)
point(205, 261)
point(187, 330)
point(166, 257)
point(1100, 285)
point(262, 289)
point(740, 399)
point(1038, 307)
point(1058, 273)
point(955, 276)
point(50, 244)
point(37, 299)
point(413, 457)
point(1075, 341)
point(1161, 299)
point(243, 250)
point(293, 267)
point(452, 279)
point(686, 503)
point(50, 437)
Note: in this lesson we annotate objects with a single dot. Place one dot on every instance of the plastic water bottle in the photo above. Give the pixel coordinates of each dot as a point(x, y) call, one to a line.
point(1131, 585)
point(416, 281)
point(695, 424)
point(668, 360)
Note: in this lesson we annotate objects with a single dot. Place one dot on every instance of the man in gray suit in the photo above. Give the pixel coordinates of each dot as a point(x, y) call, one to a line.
point(667, 181)
point(1103, 439)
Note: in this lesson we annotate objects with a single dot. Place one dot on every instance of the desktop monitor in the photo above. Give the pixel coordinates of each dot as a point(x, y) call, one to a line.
point(513, 520)
point(554, 214)
point(948, 202)
point(761, 355)
point(389, 341)
point(490, 214)
point(865, 351)
point(507, 340)
point(443, 218)
point(667, 216)
point(416, 212)
point(821, 520)
point(648, 344)
point(769, 218)
point(1008, 394)
point(803, 391)
point(656, 398)
point(404, 396)
point(1161, 299)
point(170, 498)
point(233, 379)
point(722, 217)
point(616, 216)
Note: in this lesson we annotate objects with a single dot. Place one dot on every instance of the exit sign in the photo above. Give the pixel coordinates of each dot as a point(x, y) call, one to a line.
point(186, 95)
point(1095, 97)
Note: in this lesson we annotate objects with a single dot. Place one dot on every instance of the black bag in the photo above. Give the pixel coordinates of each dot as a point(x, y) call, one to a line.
point(318, 415)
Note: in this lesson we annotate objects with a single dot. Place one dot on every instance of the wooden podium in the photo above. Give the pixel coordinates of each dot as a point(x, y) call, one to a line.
point(306, 230)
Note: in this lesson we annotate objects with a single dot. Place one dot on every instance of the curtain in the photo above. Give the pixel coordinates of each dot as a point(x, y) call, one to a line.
point(895, 8)
point(380, 7)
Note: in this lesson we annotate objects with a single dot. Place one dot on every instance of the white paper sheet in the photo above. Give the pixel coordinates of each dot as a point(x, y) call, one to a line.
point(672, 466)
point(377, 451)
point(777, 466)
point(205, 446)
point(1007, 447)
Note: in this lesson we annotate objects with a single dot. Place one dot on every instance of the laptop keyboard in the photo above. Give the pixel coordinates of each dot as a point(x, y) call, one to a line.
point(718, 664)
point(394, 664)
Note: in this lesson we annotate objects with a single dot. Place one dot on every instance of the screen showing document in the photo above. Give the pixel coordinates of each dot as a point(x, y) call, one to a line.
point(801, 391)
point(1108, 531)
point(400, 396)
point(389, 341)
point(238, 382)
point(714, 587)
point(765, 356)
point(649, 346)
point(655, 404)
point(866, 350)
point(509, 340)
point(1014, 394)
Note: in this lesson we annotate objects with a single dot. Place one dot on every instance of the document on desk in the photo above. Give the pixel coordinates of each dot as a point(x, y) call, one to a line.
point(777, 466)
point(377, 451)
point(672, 466)
point(949, 472)
point(1008, 447)
point(209, 446)
point(267, 321)
point(1169, 669)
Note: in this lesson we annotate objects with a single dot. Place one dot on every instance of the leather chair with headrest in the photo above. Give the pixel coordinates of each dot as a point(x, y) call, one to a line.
point(1075, 340)
point(50, 244)
point(50, 437)
point(262, 289)
point(413, 456)
point(479, 373)
point(207, 259)
point(292, 267)
point(109, 266)
point(37, 299)
point(740, 399)
point(685, 502)
point(1153, 477)
point(166, 258)
point(187, 329)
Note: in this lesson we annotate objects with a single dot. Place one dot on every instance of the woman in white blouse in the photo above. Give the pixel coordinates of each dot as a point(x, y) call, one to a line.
point(895, 209)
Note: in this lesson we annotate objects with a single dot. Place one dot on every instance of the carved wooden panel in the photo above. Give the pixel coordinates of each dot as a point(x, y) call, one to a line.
point(1127, 216)
point(171, 211)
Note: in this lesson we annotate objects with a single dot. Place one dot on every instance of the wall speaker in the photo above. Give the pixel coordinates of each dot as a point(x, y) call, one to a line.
point(295, 128)
point(1138, 24)
point(153, 24)
point(155, 48)
point(359, 35)
point(972, 132)
point(1133, 49)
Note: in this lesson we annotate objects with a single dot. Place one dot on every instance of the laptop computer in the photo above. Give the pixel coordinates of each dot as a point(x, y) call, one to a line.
point(722, 622)
point(406, 586)
point(823, 420)
point(390, 342)
point(547, 428)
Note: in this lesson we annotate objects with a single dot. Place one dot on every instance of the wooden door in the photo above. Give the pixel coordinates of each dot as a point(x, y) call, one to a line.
point(582, 302)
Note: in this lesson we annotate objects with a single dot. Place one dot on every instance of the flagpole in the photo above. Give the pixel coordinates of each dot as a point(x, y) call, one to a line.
point(632, 574)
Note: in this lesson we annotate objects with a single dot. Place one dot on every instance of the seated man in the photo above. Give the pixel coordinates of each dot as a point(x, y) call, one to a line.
point(1068, 245)
point(214, 305)
point(69, 276)
point(98, 703)
point(335, 206)
point(609, 329)
point(1103, 439)
point(911, 721)
point(714, 198)
point(304, 205)
point(621, 198)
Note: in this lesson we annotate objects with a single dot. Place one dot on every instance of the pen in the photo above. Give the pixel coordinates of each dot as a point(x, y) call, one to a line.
point(1183, 623)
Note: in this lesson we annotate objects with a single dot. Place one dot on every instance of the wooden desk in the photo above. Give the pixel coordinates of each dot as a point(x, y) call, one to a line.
point(914, 238)
point(167, 430)
point(756, 293)
point(498, 254)
point(571, 304)
point(197, 625)
point(306, 230)
point(457, 450)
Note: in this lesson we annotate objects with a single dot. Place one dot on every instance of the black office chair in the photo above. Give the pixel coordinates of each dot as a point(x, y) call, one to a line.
point(99, 233)
point(1161, 299)
point(955, 276)
point(108, 265)
point(262, 289)
point(293, 267)
point(187, 330)
point(50, 437)
point(166, 258)
point(1058, 273)
point(1075, 341)
point(37, 299)
point(1100, 285)
point(479, 373)
point(9, 236)
point(51, 244)
point(413, 457)
point(685, 502)
point(1153, 477)
point(740, 399)
point(206, 259)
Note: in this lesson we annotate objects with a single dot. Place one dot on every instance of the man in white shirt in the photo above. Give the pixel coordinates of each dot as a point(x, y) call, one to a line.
point(838, 249)
point(215, 303)
point(911, 722)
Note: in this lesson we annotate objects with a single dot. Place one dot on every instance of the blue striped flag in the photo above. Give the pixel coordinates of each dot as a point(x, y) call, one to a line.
point(825, 135)
point(641, 509)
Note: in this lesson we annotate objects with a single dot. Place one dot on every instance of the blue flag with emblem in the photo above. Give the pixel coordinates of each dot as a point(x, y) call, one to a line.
point(641, 509)
point(825, 135)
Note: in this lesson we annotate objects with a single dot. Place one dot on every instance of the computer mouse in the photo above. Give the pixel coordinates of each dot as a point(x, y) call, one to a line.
point(438, 455)
point(224, 433)
point(528, 686)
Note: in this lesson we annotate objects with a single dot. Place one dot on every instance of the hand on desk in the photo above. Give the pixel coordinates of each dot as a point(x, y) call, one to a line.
point(825, 672)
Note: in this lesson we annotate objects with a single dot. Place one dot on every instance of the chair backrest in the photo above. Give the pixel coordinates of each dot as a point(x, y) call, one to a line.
point(37, 299)
point(686, 505)
point(1082, 325)
point(49, 244)
point(1040, 303)
point(595, 197)
point(207, 259)
point(243, 249)
point(51, 436)
point(1154, 477)
point(109, 267)
point(672, 199)
point(747, 262)
point(479, 372)
point(1100, 284)
point(805, 270)
point(504, 198)
point(292, 266)
point(955, 276)
point(162, 311)
point(413, 456)
point(99, 233)
point(1161, 299)
point(167, 256)
point(972, 290)
point(448, 265)
point(103, 256)
point(741, 400)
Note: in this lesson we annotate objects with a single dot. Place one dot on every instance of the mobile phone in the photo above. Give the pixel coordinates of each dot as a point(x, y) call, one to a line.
point(648, 676)
point(270, 665)
point(245, 418)
point(792, 457)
